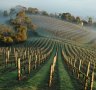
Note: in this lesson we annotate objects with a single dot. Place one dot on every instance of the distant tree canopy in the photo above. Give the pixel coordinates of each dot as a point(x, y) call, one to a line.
point(85, 22)
point(66, 16)
point(21, 24)
point(12, 11)
point(90, 21)
point(23, 20)
point(32, 10)
point(70, 18)
point(5, 13)
point(78, 20)
point(45, 13)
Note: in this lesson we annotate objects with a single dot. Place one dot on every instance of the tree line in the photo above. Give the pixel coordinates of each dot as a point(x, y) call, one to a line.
point(77, 20)
point(64, 16)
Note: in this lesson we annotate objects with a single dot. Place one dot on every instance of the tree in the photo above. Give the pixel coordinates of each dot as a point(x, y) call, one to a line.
point(6, 34)
point(21, 23)
point(64, 16)
point(32, 10)
point(67, 17)
point(9, 40)
point(72, 18)
point(5, 13)
point(12, 11)
point(21, 14)
point(20, 19)
point(21, 33)
point(32, 27)
point(5, 29)
point(28, 20)
point(85, 22)
point(23, 20)
point(78, 20)
point(90, 21)
point(45, 13)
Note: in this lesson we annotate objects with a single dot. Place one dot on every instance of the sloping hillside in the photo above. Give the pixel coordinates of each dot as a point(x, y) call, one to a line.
point(64, 29)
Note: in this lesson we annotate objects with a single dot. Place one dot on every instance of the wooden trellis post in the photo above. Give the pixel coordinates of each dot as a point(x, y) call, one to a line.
point(86, 79)
point(25, 54)
point(79, 69)
point(7, 56)
point(42, 59)
point(28, 54)
point(32, 55)
point(14, 50)
point(16, 55)
point(35, 61)
point(29, 63)
point(92, 80)
point(10, 49)
point(6, 59)
point(50, 79)
point(39, 58)
point(92, 77)
point(74, 64)
point(71, 63)
point(52, 70)
point(19, 69)
point(54, 62)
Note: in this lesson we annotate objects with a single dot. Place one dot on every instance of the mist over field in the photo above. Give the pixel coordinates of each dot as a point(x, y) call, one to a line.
point(82, 8)
point(47, 45)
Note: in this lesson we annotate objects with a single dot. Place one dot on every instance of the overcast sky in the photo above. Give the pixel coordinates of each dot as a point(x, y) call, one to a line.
point(76, 7)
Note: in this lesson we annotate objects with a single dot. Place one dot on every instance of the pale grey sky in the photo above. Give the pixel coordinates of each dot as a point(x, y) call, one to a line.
point(76, 7)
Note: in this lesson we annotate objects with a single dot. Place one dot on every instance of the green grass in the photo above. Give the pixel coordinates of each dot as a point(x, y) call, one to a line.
point(67, 82)
point(94, 87)
point(7, 78)
point(36, 80)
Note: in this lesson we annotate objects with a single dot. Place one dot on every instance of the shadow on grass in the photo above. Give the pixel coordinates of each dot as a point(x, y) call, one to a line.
point(55, 82)
point(44, 85)
point(77, 85)
point(11, 84)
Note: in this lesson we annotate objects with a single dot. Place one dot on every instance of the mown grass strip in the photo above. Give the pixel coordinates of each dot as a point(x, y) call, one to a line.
point(66, 82)
point(38, 80)
point(7, 78)
point(94, 87)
